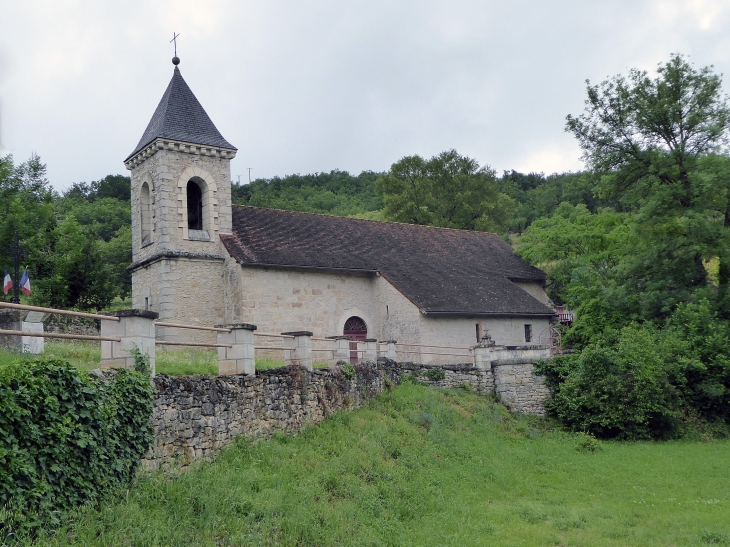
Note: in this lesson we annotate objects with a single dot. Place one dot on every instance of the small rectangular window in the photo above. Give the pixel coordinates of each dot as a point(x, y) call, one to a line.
point(479, 333)
point(146, 303)
point(528, 333)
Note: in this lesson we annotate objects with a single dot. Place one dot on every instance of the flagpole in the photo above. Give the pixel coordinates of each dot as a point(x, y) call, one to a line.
point(16, 283)
point(17, 252)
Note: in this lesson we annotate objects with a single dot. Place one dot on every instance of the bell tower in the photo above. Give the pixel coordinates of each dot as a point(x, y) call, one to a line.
point(181, 205)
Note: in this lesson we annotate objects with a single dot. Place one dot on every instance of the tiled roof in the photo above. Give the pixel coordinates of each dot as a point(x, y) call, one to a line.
point(180, 117)
point(439, 269)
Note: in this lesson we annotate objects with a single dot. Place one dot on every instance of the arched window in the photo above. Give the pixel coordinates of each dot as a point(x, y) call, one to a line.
point(145, 214)
point(356, 329)
point(195, 206)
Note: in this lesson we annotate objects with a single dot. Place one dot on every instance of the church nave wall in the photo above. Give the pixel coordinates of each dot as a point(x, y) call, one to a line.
point(462, 331)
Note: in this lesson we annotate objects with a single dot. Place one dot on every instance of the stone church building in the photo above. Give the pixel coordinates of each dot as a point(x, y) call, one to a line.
point(198, 259)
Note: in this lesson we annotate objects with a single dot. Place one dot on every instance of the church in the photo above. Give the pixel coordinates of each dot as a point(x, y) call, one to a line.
point(199, 259)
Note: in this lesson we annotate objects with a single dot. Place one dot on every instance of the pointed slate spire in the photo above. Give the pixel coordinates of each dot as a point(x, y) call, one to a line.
point(180, 117)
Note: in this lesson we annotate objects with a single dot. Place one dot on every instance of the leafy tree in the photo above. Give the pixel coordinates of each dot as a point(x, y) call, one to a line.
point(577, 248)
point(105, 216)
point(112, 186)
point(649, 136)
point(539, 196)
point(117, 254)
point(651, 326)
point(68, 264)
point(448, 190)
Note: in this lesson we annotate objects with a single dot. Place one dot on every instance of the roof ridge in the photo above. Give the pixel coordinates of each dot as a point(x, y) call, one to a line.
point(427, 226)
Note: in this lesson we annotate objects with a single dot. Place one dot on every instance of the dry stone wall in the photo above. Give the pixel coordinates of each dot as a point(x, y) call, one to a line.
point(71, 325)
point(196, 416)
point(518, 387)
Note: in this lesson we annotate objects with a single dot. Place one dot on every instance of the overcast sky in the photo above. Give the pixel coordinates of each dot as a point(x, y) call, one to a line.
point(300, 87)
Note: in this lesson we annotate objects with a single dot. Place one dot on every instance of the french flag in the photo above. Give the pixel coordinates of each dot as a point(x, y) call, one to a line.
point(25, 282)
point(7, 283)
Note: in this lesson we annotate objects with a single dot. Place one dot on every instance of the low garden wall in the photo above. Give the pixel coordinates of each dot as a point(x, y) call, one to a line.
point(195, 416)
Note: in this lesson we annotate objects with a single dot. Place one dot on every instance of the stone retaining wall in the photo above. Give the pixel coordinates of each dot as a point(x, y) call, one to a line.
point(518, 387)
point(195, 416)
point(66, 324)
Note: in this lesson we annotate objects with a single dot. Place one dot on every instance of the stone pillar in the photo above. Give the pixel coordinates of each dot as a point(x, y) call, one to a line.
point(33, 344)
point(239, 358)
point(368, 350)
point(136, 328)
point(301, 348)
point(483, 353)
point(482, 357)
point(10, 320)
point(387, 349)
point(341, 350)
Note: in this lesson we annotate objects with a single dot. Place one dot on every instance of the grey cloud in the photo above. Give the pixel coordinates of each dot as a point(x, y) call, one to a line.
point(302, 87)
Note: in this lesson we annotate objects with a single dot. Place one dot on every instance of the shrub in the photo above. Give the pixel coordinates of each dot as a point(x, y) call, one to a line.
point(435, 374)
point(588, 443)
point(409, 379)
point(641, 382)
point(66, 439)
point(348, 370)
point(619, 391)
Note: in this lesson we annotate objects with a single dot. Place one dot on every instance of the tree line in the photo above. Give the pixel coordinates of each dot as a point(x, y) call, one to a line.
point(77, 244)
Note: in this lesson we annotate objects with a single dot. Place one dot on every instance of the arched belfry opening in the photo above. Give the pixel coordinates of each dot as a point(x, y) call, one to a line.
point(195, 206)
point(356, 329)
point(145, 214)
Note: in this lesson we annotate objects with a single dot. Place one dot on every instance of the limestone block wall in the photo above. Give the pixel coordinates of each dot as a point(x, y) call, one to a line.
point(456, 376)
point(72, 325)
point(167, 173)
point(287, 300)
point(10, 320)
point(182, 290)
point(462, 331)
point(196, 416)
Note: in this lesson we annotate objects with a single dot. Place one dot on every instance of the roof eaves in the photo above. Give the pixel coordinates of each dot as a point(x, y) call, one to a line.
point(323, 269)
point(455, 313)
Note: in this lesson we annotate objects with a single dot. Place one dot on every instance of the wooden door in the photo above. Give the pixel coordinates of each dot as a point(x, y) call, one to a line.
point(356, 329)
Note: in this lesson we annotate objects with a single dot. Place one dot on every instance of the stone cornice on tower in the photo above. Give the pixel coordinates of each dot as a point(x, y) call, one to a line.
point(178, 146)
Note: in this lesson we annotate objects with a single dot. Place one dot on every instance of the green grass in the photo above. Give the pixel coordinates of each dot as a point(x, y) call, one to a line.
point(178, 362)
point(420, 466)
point(119, 304)
point(87, 356)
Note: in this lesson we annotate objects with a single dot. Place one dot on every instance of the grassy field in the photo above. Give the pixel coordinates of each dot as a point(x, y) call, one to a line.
point(420, 466)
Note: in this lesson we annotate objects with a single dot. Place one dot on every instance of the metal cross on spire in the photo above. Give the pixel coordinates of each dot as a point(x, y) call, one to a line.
point(175, 59)
point(16, 252)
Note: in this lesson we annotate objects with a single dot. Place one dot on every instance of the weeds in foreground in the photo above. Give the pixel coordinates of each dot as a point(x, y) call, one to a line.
point(420, 466)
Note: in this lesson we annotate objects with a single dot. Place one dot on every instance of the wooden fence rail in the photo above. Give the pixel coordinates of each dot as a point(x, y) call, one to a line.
point(182, 326)
point(193, 344)
point(59, 335)
point(12, 306)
